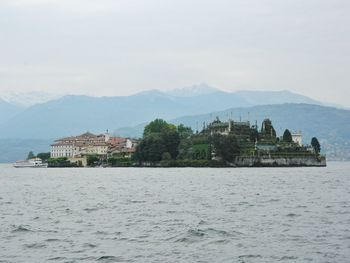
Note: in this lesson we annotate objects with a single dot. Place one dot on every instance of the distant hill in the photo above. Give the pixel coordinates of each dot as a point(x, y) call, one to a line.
point(8, 111)
point(192, 91)
point(27, 99)
point(12, 150)
point(330, 125)
point(75, 114)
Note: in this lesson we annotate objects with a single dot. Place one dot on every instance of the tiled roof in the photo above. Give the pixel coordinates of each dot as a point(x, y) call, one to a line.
point(116, 140)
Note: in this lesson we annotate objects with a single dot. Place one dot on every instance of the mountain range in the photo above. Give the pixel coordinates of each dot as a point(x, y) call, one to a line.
point(38, 125)
point(75, 114)
point(8, 111)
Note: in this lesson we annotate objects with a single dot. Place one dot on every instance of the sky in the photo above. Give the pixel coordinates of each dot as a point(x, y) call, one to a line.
point(120, 47)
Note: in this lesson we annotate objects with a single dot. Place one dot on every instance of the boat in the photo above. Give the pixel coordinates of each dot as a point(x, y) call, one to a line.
point(31, 163)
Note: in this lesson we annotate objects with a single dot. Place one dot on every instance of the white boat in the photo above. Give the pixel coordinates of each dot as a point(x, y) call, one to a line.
point(31, 163)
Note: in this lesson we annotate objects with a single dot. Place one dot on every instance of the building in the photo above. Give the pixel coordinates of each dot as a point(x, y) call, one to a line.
point(297, 138)
point(121, 146)
point(91, 144)
point(225, 128)
point(83, 144)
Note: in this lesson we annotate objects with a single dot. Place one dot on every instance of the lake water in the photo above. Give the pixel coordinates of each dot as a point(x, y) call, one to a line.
point(175, 215)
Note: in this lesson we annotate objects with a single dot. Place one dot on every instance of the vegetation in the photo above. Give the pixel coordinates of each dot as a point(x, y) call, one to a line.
point(226, 147)
point(30, 155)
point(316, 145)
point(119, 161)
point(159, 137)
point(218, 144)
point(43, 156)
point(93, 160)
point(60, 162)
point(287, 136)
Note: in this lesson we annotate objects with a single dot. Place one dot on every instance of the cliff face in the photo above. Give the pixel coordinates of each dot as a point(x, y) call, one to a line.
point(279, 161)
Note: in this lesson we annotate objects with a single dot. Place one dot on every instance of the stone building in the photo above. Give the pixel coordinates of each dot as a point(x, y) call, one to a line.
point(83, 144)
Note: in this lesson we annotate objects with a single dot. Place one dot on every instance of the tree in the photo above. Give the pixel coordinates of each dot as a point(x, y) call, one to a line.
point(158, 137)
point(166, 156)
point(158, 126)
point(171, 140)
point(184, 132)
point(92, 159)
point(30, 155)
point(287, 136)
point(316, 145)
point(150, 149)
point(226, 146)
point(43, 156)
point(185, 149)
point(267, 128)
point(254, 135)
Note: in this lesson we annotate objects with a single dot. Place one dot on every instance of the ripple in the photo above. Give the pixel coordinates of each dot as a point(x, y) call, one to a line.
point(288, 258)
point(89, 245)
point(174, 215)
point(52, 240)
point(111, 259)
point(21, 228)
point(34, 245)
point(56, 258)
point(292, 215)
point(250, 256)
point(196, 232)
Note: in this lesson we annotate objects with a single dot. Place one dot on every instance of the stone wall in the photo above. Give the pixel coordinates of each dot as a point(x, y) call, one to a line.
point(279, 161)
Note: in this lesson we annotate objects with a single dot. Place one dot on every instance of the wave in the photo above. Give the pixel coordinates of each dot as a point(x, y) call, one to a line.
point(21, 228)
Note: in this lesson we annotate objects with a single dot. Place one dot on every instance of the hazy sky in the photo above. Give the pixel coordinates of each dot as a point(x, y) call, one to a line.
point(119, 47)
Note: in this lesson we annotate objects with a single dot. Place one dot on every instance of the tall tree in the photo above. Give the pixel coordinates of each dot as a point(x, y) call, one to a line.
point(184, 132)
point(158, 126)
point(171, 140)
point(316, 145)
point(30, 155)
point(158, 137)
point(150, 149)
point(225, 146)
point(287, 136)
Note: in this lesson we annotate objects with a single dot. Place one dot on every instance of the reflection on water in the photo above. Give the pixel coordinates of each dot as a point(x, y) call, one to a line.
point(175, 215)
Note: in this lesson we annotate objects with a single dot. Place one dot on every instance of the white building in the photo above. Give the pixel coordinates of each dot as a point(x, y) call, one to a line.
point(297, 137)
point(84, 144)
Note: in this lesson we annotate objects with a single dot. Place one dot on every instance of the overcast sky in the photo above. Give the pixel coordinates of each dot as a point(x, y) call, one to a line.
point(119, 47)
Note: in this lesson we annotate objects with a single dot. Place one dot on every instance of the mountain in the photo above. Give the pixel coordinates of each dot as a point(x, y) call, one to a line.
point(192, 91)
point(8, 111)
point(27, 99)
point(274, 97)
point(75, 114)
point(12, 150)
point(330, 125)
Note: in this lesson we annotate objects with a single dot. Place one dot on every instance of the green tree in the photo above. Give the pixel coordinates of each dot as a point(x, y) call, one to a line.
point(43, 156)
point(30, 155)
point(267, 128)
point(184, 132)
point(171, 140)
point(158, 126)
point(92, 159)
point(316, 145)
point(150, 149)
point(185, 149)
point(287, 136)
point(254, 135)
point(166, 156)
point(158, 137)
point(225, 146)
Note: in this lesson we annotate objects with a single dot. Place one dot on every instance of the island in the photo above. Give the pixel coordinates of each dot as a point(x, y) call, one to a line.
point(219, 144)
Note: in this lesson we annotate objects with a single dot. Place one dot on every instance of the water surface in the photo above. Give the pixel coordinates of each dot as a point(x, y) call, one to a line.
point(175, 215)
